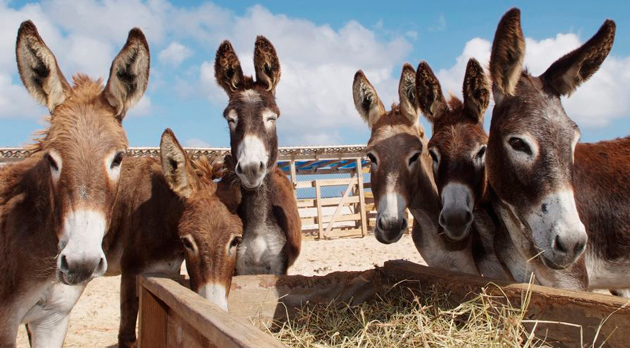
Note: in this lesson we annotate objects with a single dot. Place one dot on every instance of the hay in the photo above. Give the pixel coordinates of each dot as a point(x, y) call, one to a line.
point(408, 317)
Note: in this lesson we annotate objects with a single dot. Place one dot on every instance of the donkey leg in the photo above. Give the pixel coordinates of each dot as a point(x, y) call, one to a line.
point(49, 330)
point(128, 311)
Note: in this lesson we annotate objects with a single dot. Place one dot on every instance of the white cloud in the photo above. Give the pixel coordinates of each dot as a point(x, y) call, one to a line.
point(596, 103)
point(175, 54)
point(318, 65)
point(143, 108)
point(196, 142)
point(440, 25)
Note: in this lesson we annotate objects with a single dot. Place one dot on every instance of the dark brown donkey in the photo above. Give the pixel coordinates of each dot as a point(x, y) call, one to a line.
point(551, 191)
point(272, 227)
point(401, 175)
point(168, 211)
point(458, 148)
point(56, 206)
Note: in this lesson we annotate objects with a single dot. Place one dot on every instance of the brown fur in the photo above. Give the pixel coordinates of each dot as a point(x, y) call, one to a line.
point(67, 172)
point(507, 54)
point(150, 218)
point(249, 99)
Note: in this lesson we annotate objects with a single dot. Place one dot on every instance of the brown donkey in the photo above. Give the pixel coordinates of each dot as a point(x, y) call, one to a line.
point(458, 147)
point(56, 206)
point(168, 211)
point(271, 223)
point(551, 191)
point(401, 175)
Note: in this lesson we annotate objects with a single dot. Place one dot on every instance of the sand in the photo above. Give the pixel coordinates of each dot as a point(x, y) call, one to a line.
point(94, 320)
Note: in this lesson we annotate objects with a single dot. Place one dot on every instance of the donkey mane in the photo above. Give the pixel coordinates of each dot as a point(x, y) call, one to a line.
point(85, 90)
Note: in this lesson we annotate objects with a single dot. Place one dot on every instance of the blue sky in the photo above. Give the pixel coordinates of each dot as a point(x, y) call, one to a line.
point(320, 44)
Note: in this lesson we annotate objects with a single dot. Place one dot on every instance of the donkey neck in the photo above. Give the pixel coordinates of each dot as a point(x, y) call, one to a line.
point(255, 207)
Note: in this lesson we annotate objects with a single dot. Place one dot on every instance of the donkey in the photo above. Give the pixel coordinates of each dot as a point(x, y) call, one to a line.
point(458, 148)
point(559, 199)
point(401, 175)
point(168, 211)
point(56, 206)
point(271, 223)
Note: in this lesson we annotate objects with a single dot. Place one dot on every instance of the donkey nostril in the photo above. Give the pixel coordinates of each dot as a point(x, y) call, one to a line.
point(239, 170)
point(469, 217)
point(63, 265)
point(579, 247)
point(379, 223)
point(561, 248)
point(442, 220)
point(101, 264)
point(261, 167)
point(404, 225)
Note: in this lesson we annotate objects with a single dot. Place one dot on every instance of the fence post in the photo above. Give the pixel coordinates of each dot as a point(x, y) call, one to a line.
point(361, 198)
point(153, 322)
point(320, 217)
point(294, 178)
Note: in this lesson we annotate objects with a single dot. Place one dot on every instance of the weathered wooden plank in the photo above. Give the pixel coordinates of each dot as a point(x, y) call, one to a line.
point(310, 203)
point(327, 182)
point(294, 180)
point(364, 228)
point(339, 208)
point(153, 321)
point(320, 217)
point(218, 326)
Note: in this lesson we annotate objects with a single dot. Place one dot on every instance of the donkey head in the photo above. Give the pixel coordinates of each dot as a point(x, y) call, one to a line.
point(252, 111)
point(209, 233)
point(458, 144)
point(532, 142)
point(84, 145)
point(397, 152)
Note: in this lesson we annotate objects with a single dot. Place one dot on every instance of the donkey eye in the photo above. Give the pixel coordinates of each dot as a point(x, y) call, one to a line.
point(481, 152)
point(372, 158)
point(187, 243)
point(519, 145)
point(51, 162)
point(414, 158)
point(434, 156)
point(117, 160)
point(236, 241)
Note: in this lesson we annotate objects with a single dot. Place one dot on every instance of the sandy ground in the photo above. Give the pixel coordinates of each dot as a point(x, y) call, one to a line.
point(94, 320)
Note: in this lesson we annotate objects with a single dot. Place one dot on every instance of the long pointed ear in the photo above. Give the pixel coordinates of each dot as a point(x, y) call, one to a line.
point(407, 93)
point(227, 69)
point(129, 74)
point(429, 92)
point(38, 68)
point(266, 63)
point(476, 90)
point(366, 100)
point(175, 166)
point(508, 52)
point(568, 72)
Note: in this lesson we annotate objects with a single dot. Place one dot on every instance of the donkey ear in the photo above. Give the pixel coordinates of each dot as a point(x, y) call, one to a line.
point(227, 69)
point(266, 63)
point(508, 52)
point(38, 68)
point(476, 90)
point(174, 165)
point(429, 92)
point(366, 100)
point(568, 72)
point(129, 74)
point(407, 93)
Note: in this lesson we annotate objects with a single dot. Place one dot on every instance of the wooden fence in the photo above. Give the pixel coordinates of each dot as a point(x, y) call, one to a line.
point(349, 214)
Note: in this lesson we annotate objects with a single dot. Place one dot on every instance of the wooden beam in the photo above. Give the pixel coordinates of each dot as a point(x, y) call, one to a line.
point(320, 217)
point(153, 321)
point(364, 227)
point(339, 208)
point(207, 319)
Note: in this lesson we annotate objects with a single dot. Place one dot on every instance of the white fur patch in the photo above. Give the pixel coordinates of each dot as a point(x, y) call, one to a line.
point(560, 219)
point(250, 96)
point(113, 173)
point(82, 236)
point(457, 195)
point(252, 151)
point(55, 173)
point(215, 293)
point(269, 119)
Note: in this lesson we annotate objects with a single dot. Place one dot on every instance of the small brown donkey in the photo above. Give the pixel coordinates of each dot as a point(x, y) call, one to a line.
point(271, 223)
point(458, 147)
point(558, 198)
point(401, 175)
point(168, 211)
point(56, 206)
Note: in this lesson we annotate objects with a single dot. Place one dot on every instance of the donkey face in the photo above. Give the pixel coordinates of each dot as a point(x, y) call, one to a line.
point(458, 144)
point(532, 142)
point(397, 152)
point(85, 144)
point(252, 111)
point(209, 233)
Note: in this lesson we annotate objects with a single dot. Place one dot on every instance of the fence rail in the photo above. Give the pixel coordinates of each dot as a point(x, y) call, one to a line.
point(330, 183)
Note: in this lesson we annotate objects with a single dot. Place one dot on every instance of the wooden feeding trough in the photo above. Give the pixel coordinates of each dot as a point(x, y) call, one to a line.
point(173, 316)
